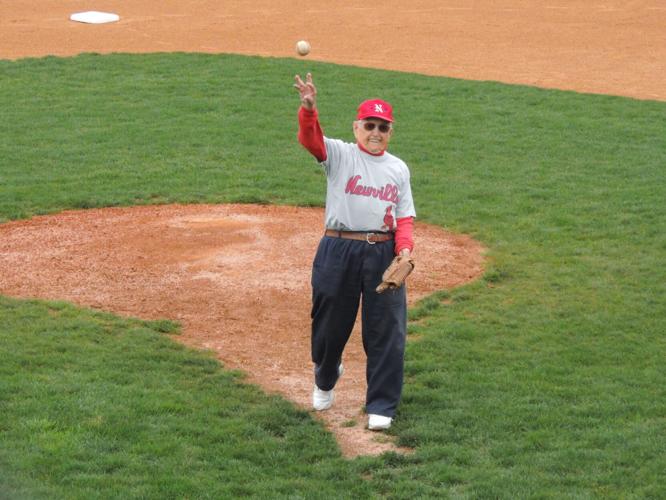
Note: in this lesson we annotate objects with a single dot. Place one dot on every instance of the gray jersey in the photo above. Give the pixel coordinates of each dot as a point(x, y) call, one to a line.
point(365, 192)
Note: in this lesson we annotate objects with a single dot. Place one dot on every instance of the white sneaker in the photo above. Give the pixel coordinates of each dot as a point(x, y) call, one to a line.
point(323, 400)
point(379, 422)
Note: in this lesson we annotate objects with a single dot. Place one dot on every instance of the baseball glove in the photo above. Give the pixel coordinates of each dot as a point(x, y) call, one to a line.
point(396, 274)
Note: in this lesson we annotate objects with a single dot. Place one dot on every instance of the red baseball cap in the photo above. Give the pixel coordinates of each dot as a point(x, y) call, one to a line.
point(375, 108)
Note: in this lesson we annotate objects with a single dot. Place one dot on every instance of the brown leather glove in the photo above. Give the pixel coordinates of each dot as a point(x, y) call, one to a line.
point(396, 274)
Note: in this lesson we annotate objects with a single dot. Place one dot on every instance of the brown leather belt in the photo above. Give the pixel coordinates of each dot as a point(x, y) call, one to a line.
point(370, 237)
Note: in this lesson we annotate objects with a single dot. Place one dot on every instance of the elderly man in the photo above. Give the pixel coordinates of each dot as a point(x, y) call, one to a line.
point(369, 219)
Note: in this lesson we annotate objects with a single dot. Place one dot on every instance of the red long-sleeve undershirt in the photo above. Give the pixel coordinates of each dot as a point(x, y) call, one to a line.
point(404, 234)
point(311, 136)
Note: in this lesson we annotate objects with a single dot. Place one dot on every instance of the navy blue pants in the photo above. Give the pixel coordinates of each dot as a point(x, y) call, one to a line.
point(344, 274)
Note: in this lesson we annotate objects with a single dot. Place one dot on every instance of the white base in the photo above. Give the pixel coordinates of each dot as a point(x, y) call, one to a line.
point(94, 17)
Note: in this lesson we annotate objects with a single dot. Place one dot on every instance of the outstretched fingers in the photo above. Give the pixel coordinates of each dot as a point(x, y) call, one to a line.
point(306, 90)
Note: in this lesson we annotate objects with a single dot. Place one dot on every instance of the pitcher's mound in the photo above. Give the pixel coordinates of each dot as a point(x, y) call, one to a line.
point(237, 277)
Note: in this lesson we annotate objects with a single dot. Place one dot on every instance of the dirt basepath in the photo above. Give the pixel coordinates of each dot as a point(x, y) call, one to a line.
point(209, 268)
point(607, 46)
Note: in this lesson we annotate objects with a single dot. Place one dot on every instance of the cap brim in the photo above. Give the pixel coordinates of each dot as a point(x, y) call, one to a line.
point(379, 117)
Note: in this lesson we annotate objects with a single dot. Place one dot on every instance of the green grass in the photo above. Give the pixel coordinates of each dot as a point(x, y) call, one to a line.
point(545, 379)
point(99, 407)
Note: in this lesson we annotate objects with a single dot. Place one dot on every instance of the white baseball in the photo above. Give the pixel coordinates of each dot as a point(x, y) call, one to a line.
point(302, 47)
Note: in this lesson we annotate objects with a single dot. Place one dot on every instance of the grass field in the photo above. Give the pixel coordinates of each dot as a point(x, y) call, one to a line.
point(545, 379)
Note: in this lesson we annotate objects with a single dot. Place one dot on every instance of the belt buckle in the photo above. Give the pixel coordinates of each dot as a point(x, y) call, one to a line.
point(367, 238)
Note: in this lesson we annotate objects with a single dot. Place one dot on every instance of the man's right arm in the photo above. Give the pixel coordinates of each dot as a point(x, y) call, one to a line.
point(310, 134)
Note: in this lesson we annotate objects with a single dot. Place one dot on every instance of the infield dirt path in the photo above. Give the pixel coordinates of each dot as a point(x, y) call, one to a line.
point(204, 265)
point(604, 46)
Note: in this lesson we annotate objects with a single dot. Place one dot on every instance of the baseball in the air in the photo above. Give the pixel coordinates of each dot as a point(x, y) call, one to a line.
point(303, 48)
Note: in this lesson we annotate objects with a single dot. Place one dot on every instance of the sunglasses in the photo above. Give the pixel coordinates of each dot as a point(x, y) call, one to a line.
point(383, 127)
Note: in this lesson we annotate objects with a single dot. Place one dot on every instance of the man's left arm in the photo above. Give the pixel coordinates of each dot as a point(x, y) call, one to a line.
point(404, 236)
point(405, 213)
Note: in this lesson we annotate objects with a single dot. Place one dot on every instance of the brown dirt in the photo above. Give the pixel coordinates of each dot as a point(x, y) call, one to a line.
point(209, 268)
point(205, 266)
point(607, 46)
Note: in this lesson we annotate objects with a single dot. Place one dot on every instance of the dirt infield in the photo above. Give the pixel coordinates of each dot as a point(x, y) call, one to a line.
point(191, 264)
point(609, 46)
point(209, 268)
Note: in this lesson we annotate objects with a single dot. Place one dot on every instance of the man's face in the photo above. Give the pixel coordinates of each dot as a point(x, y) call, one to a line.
point(373, 134)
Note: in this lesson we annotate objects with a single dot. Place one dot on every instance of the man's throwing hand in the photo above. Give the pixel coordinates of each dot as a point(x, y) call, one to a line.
point(307, 91)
